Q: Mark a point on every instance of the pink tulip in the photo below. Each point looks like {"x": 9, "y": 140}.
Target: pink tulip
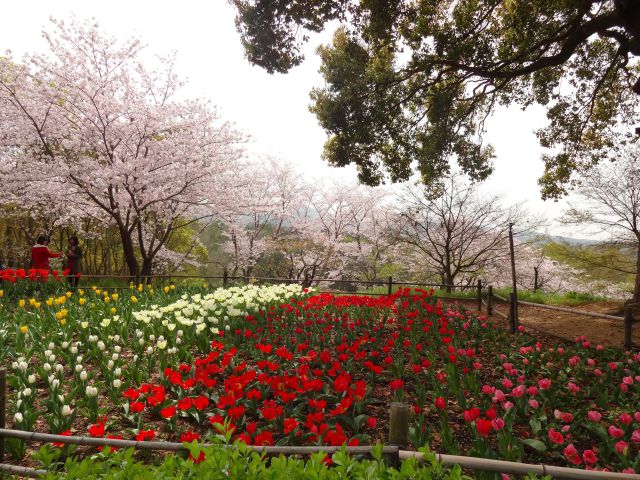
{"x": 622, "y": 447}
{"x": 573, "y": 388}
{"x": 628, "y": 380}
{"x": 624, "y": 387}
{"x": 507, "y": 405}
{"x": 573, "y": 361}
{"x": 556, "y": 437}
{"x": 637, "y": 416}
{"x": 572, "y": 454}
{"x": 599, "y": 348}
{"x": 544, "y": 384}
{"x": 506, "y": 383}
{"x": 594, "y": 416}
{"x": 497, "y": 424}
{"x": 591, "y": 362}
{"x": 488, "y": 390}
{"x": 499, "y": 396}
{"x": 625, "y": 418}
{"x": 589, "y": 457}
{"x": 518, "y": 392}
{"x": 629, "y": 470}
{"x": 597, "y": 372}
{"x": 533, "y": 403}
{"x": 532, "y": 391}
{"x": 615, "y": 432}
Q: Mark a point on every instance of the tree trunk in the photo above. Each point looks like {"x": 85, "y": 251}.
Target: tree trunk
{"x": 147, "y": 269}
{"x": 129, "y": 252}
{"x": 535, "y": 279}
{"x": 636, "y": 288}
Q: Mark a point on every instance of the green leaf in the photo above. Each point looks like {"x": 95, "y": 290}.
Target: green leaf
{"x": 535, "y": 444}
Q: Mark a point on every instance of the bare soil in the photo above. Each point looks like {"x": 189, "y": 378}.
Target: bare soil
{"x": 571, "y": 325}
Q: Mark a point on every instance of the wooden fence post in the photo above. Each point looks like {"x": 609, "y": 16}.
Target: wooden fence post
{"x": 628, "y": 325}
{"x": 479, "y": 295}
{"x": 225, "y": 277}
{"x": 512, "y": 313}
{"x": 398, "y": 429}
{"x": 490, "y": 300}
{"x": 390, "y": 285}
{"x": 3, "y": 408}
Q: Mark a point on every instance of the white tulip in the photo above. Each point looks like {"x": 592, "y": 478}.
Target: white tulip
{"x": 79, "y": 368}
{"x": 117, "y": 372}
{"x": 149, "y": 350}
{"x": 18, "y": 417}
{"x": 117, "y": 383}
{"x": 59, "y": 368}
{"x": 115, "y": 357}
{"x": 55, "y": 383}
{"x": 14, "y": 365}
{"x": 26, "y": 392}
{"x": 101, "y": 346}
{"x": 116, "y": 338}
{"x": 110, "y": 364}
{"x": 84, "y": 324}
{"x": 91, "y": 391}
{"x": 79, "y": 359}
{"x": 74, "y": 350}
{"x": 66, "y": 410}
{"x": 65, "y": 345}
{"x": 141, "y": 342}
{"x": 52, "y": 345}
{"x": 46, "y": 367}
{"x": 31, "y": 379}
{"x": 52, "y": 358}
{"x": 117, "y": 349}
{"x": 19, "y": 403}
{"x": 83, "y": 375}
{"x": 47, "y": 353}
{"x": 22, "y": 366}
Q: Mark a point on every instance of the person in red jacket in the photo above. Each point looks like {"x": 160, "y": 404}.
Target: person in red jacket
{"x": 40, "y": 254}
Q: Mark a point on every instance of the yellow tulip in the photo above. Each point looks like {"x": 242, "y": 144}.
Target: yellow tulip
{"x": 81, "y": 292}
{"x": 49, "y": 302}
{"x": 21, "y": 303}
{"x": 106, "y": 299}
{"x": 1, "y": 293}
{"x": 98, "y": 291}
{"x": 32, "y": 301}
{"x": 113, "y": 310}
{"x": 173, "y": 287}
{"x": 24, "y": 329}
{"x": 69, "y": 294}
{"x": 140, "y": 288}
{"x": 134, "y": 299}
{"x": 37, "y": 304}
{"x": 166, "y": 289}
{"x": 82, "y": 301}
{"x": 114, "y": 296}
{"x": 63, "y": 321}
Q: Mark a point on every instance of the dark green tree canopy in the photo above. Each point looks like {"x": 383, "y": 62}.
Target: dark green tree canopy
{"x": 410, "y": 83}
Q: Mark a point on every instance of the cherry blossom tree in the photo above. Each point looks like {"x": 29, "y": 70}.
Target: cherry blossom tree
{"x": 89, "y": 129}
{"x": 455, "y": 233}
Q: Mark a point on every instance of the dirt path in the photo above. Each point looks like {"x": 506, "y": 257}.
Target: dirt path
{"x": 571, "y": 325}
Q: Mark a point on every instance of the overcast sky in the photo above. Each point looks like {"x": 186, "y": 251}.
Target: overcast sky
{"x": 272, "y": 109}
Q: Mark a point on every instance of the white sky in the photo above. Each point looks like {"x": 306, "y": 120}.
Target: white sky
{"x": 272, "y": 109}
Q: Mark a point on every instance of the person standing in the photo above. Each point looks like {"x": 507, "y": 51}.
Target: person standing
{"x": 40, "y": 254}
{"x": 74, "y": 254}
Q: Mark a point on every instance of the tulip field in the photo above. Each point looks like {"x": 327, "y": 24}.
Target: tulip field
{"x": 278, "y": 365}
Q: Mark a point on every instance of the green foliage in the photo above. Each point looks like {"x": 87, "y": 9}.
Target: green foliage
{"x": 240, "y": 461}
{"x": 414, "y": 81}
{"x": 600, "y": 262}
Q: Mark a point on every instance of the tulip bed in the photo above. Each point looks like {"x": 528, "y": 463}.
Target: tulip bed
{"x": 279, "y": 366}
